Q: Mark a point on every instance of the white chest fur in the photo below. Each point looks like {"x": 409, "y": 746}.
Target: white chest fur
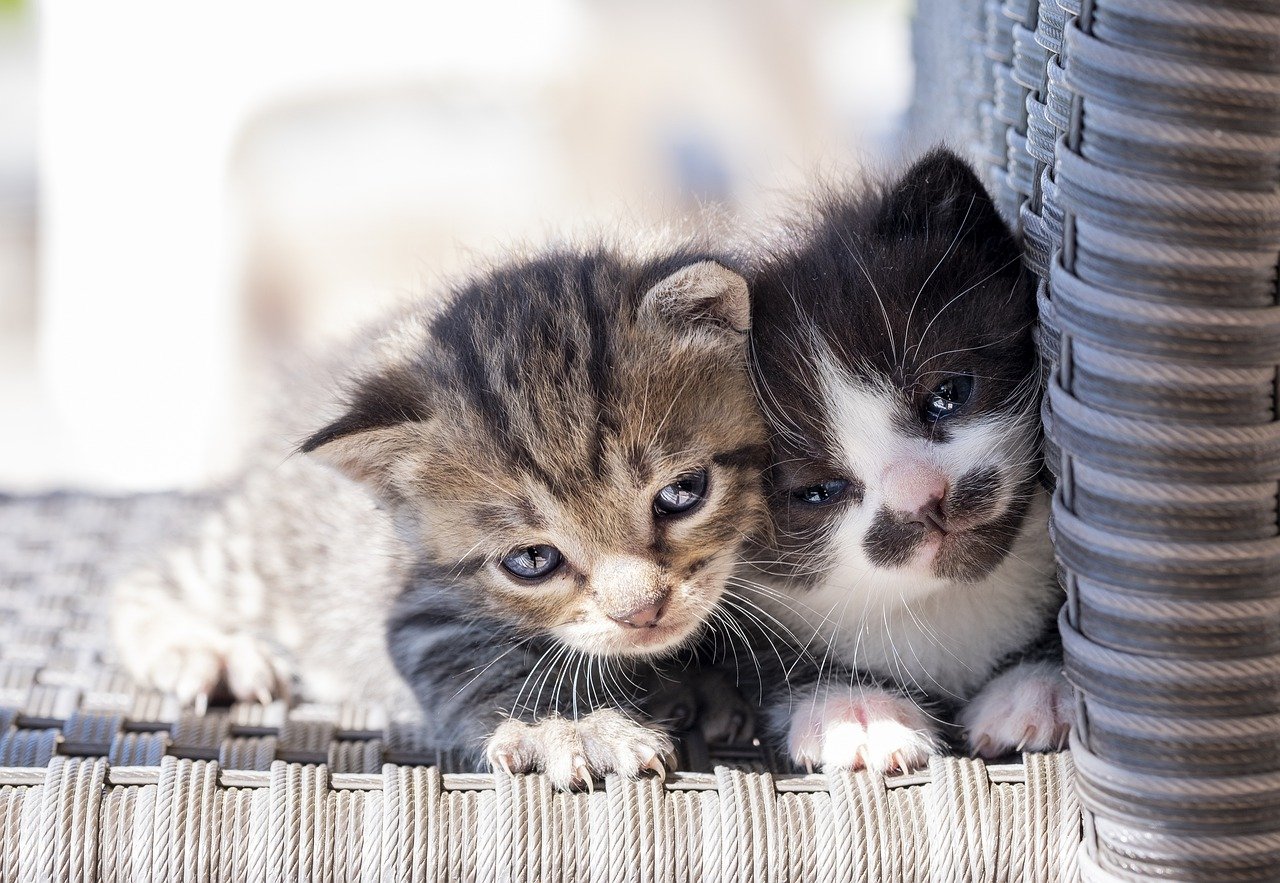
{"x": 944, "y": 641}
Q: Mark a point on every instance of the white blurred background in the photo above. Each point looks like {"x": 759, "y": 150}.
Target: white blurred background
{"x": 188, "y": 189}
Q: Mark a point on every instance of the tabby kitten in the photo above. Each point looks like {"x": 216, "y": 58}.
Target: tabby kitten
{"x": 895, "y": 359}
{"x": 527, "y": 495}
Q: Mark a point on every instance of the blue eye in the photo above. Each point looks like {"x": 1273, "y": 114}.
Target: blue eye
{"x": 682, "y": 495}
{"x": 946, "y": 398}
{"x": 532, "y": 562}
{"x": 822, "y": 493}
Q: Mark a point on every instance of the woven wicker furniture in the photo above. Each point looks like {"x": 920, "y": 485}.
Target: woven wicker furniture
{"x": 1137, "y": 145}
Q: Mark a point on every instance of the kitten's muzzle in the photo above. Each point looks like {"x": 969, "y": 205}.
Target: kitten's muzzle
{"x": 645, "y": 617}
{"x": 917, "y": 492}
{"x": 932, "y": 516}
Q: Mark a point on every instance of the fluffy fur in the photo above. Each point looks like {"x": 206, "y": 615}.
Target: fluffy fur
{"x": 547, "y": 403}
{"x": 912, "y": 549}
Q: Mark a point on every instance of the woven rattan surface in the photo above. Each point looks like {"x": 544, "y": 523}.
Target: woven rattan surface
{"x": 102, "y": 780}
{"x": 1137, "y": 145}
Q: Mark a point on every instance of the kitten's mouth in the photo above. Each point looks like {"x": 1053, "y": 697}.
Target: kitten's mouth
{"x": 655, "y": 639}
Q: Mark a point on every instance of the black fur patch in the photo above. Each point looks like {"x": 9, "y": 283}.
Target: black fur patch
{"x": 891, "y": 541}
{"x": 972, "y": 497}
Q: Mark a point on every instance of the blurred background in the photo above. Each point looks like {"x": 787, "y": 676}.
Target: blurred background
{"x": 187, "y": 190}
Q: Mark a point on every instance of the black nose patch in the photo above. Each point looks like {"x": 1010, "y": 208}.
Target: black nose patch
{"x": 975, "y": 497}
{"x": 892, "y": 539}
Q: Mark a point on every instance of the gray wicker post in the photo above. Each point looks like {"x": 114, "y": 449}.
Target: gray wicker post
{"x": 1152, "y": 130}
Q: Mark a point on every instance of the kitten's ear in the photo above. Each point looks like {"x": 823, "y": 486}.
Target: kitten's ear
{"x": 941, "y": 195}
{"x": 705, "y": 299}
{"x": 375, "y": 431}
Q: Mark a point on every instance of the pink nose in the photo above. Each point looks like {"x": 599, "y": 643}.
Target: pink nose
{"x": 645, "y": 617}
{"x": 916, "y": 488}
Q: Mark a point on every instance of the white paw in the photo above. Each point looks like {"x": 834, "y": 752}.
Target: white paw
{"x": 195, "y": 664}
{"x": 862, "y": 728}
{"x": 1027, "y": 708}
{"x": 575, "y": 753}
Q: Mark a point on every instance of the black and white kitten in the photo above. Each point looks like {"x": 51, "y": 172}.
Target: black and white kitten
{"x": 894, "y": 356}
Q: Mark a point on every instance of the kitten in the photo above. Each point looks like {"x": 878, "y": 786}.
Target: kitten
{"x": 522, "y": 497}
{"x": 894, "y": 357}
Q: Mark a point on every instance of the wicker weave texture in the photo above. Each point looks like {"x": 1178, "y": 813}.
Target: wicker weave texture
{"x": 1136, "y": 143}
{"x": 1155, "y": 218}
{"x": 82, "y": 819}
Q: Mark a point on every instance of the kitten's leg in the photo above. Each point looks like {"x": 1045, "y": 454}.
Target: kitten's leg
{"x": 862, "y": 726}
{"x": 575, "y": 752}
{"x": 167, "y": 641}
{"x": 725, "y": 715}
{"x": 1028, "y": 707}
{"x": 480, "y": 686}
{"x": 704, "y": 698}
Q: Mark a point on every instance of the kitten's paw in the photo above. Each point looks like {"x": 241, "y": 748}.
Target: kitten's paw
{"x": 575, "y": 753}
{"x": 862, "y": 728}
{"x": 724, "y": 716}
{"x": 1027, "y": 708}
{"x": 199, "y": 664}
{"x": 708, "y": 702}
{"x": 674, "y": 705}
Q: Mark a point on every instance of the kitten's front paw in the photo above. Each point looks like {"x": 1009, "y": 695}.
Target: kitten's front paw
{"x": 575, "y": 753}
{"x": 195, "y": 666}
{"x": 862, "y": 728}
{"x": 709, "y": 702}
{"x": 725, "y": 717}
{"x": 1027, "y": 708}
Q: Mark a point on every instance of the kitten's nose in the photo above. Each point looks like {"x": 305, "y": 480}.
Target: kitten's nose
{"x": 918, "y": 490}
{"x": 931, "y": 515}
{"x": 645, "y": 617}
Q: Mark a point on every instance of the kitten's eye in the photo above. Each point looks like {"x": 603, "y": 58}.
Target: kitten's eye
{"x": 822, "y": 493}
{"x": 947, "y": 397}
{"x": 532, "y": 562}
{"x": 682, "y": 495}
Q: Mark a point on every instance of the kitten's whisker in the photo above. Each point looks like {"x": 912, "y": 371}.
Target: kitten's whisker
{"x": 996, "y": 271}
{"x": 906, "y": 328}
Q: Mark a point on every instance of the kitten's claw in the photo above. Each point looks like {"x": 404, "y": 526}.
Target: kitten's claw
{"x": 574, "y": 753}
{"x": 862, "y": 728}
{"x": 1027, "y": 708}
{"x": 657, "y": 767}
{"x": 584, "y": 776}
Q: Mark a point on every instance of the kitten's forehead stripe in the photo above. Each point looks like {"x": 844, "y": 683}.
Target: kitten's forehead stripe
{"x": 745, "y": 457}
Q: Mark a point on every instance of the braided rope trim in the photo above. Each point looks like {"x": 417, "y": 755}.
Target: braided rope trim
{"x": 83, "y": 819}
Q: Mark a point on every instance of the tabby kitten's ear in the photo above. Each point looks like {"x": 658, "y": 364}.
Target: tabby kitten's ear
{"x": 375, "y": 432}
{"x": 705, "y": 300}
